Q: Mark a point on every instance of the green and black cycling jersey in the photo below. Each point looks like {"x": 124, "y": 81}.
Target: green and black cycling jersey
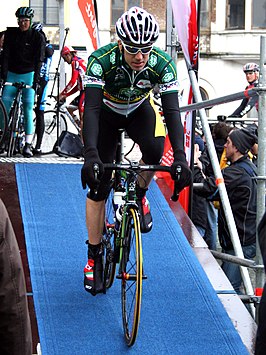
{"x": 125, "y": 89}
{"x": 112, "y": 86}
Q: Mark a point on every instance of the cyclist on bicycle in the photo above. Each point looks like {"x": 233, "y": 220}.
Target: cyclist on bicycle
{"x": 42, "y": 91}
{"x": 23, "y": 54}
{"x": 76, "y": 82}
{"x": 119, "y": 79}
{"x": 252, "y": 74}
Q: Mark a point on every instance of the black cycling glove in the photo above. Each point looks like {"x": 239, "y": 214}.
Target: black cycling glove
{"x": 180, "y": 170}
{"x": 92, "y": 169}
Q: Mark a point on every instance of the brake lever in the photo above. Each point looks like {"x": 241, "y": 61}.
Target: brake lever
{"x": 96, "y": 171}
{"x": 176, "y": 191}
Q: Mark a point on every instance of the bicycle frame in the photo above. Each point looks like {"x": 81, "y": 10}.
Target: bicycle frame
{"x": 14, "y": 129}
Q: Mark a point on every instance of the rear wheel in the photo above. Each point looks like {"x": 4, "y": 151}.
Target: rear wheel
{"x": 3, "y": 125}
{"x": 50, "y": 131}
{"x": 130, "y": 274}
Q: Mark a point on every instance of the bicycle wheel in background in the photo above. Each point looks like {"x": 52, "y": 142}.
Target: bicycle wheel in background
{"x": 109, "y": 239}
{"x": 131, "y": 276}
{"x": 3, "y": 124}
{"x": 12, "y": 131}
{"x": 50, "y": 130}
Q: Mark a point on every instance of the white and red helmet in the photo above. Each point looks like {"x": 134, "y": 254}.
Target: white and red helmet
{"x": 251, "y": 67}
{"x": 67, "y": 49}
{"x": 138, "y": 27}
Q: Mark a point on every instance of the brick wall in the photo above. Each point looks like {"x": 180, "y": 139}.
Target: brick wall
{"x": 158, "y": 9}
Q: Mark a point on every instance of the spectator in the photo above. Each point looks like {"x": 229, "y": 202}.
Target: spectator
{"x": 75, "y": 84}
{"x": 23, "y": 54}
{"x": 199, "y": 203}
{"x": 15, "y": 328}
{"x": 252, "y": 74}
{"x": 42, "y": 90}
{"x": 219, "y": 134}
{"x": 242, "y": 191}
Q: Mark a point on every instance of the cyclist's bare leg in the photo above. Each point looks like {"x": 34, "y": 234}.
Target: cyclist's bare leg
{"x": 95, "y": 212}
{"x": 145, "y": 178}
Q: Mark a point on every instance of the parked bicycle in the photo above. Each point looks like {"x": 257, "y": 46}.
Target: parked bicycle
{"x": 57, "y": 120}
{"x": 13, "y": 136}
{"x": 122, "y": 241}
{"x": 3, "y": 121}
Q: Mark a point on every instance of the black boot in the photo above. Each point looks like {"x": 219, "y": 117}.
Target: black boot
{"x": 93, "y": 271}
{"x": 26, "y": 152}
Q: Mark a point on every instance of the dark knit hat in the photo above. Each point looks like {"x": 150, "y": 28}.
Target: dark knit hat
{"x": 243, "y": 139}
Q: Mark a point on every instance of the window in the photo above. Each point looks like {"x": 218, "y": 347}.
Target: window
{"x": 204, "y": 14}
{"x": 46, "y": 11}
{"x": 259, "y": 14}
{"x": 235, "y": 14}
{"x": 120, "y": 6}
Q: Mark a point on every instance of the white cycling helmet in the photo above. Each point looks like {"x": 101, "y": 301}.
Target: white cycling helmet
{"x": 251, "y": 67}
{"x": 136, "y": 26}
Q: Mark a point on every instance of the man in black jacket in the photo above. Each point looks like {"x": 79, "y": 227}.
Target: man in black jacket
{"x": 23, "y": 54}
{"x": 242, "y": 192}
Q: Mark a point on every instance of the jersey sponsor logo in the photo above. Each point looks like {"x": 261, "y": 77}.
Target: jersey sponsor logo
{"x": 96, "y": 69}
{"x": 112, "y": 58}
{"x": 120, "y": 74}
{"x": 144, "y": 84}
{"x": 169, "y": 86}
{"x": 88, "y": 80}
{"x": 152, "y": 60}
{"x": 167, "y": 77}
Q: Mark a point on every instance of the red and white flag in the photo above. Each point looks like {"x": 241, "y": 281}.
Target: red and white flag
{"x": 87, "y": 9}
{"x": 186, "y": 22}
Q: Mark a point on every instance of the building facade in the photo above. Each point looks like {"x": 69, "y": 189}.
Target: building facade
{"x": 230, "y": 32}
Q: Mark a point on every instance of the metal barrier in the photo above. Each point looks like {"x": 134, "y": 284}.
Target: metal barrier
{"x": 200, "y": 105}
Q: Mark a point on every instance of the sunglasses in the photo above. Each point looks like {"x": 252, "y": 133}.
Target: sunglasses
{"x": 135, "y": 50}
{"x": 21, "y": 20}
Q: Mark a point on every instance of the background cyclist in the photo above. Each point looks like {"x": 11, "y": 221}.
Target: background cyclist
{"x": 42, "y": 90}
{"x": 75, "y": 84}
{"x": 119, "y": 79}
{"x": 23, "y": 54}
{"x": 252, "y": 74}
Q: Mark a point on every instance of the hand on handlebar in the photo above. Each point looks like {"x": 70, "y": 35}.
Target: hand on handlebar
{"x": 180, "y": 171}
{"x": 92, "y": 170}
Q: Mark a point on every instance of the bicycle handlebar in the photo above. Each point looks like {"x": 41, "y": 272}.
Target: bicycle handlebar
{"x": 19, "y": 85}
{"x": 135, "y": 166}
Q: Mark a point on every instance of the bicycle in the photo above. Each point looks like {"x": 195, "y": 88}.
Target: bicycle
{"x": 122, "y": 241}
{"x": 55, "y": 125}
{"x": 3, "y": 121}
{"x": 13, "y": 137}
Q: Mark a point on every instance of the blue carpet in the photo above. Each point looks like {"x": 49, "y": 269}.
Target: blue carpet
{"x": 181, "y": 313}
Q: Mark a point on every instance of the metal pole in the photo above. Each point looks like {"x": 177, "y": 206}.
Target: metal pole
{"x": 169, "y": 26}
{"x": 221, "y": 100}
{"x": 260, "y": 276}
{"x": 61, "y": 41}
{"x": 221, "y": 186}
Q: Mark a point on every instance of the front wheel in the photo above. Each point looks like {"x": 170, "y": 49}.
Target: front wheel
{"x": 109, "y": 241}
{"x": 130, "y": 274}
{"x": 12, "y": 131}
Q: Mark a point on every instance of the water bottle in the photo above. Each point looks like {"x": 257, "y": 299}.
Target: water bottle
{"x": 118, "y": 205}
